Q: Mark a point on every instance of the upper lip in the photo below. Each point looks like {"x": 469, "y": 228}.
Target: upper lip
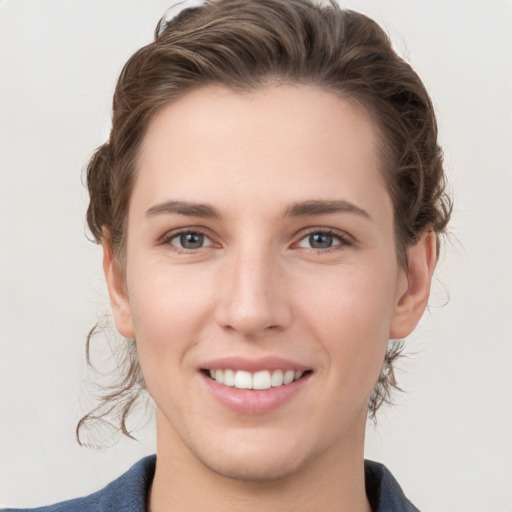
{"x": 253, "y": 365}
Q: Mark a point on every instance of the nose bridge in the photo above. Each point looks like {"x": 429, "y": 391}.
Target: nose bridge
{"x": 253, "y": 301}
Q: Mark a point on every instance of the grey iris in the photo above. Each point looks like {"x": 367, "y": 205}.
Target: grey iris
{"x": 320, "y": 241}
{"x": 191, "y": 240}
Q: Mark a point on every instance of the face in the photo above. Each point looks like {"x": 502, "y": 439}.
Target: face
{"x": 261, "y": 280}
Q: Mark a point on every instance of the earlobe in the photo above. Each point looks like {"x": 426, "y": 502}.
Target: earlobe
{"x": 117, "y": 290}
{"x": 411, "y": 304}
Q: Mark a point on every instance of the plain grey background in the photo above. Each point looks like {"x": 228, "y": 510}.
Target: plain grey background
{"x": 449, "y": 438}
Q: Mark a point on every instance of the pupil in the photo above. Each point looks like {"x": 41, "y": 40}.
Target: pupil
{"x": 191, "y": 240}
{"x": 320, "y": 241}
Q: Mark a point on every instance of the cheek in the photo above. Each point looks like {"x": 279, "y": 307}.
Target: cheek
{"x": 350, "y": 316}
{"x": 357, "y": 299}
{"x": 169, "y": 308}
{"x": 161, "y": 295}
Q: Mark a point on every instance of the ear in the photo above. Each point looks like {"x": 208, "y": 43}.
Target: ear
{"x": 117, "y": 290}
{"x": 422, "y": 258}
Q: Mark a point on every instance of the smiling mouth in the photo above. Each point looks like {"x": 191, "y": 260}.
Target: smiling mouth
{"x": 264, "y": 379}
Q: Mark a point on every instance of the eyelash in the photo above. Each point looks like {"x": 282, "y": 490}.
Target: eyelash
{"x": 168, "y": 238}
{"x": 344, "y": 240}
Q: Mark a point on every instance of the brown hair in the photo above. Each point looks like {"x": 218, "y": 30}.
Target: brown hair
{"x": 243, "y": 45}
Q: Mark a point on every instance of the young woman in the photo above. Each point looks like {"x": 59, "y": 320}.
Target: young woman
{"x": 269, "y": 205}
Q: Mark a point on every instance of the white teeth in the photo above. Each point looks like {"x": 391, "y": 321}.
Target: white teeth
{"x": 277, "y": 378}
{"x": 243, "y": 380}
{"x": 259, "y": 380}
{"x": 288, "y": 376}
{"x": 229, "y": 378}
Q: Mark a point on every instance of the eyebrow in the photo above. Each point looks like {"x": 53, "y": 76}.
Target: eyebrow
{"x": 302, "y": 209}
{"x": 184, "y": 208}
{"x": 321, "y": 207}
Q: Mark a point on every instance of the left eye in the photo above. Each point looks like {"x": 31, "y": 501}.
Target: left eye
{"x": 190, "y": 240}
{"x": 320, "y": 240}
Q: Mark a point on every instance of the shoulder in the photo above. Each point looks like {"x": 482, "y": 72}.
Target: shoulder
{"x": 383, "y": 491}
{"x": 127, "y": 493}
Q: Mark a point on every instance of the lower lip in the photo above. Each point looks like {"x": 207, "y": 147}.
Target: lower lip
{"x": 254, "y": 401}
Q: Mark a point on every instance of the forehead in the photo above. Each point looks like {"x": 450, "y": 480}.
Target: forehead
{"x": 297, "y": 139}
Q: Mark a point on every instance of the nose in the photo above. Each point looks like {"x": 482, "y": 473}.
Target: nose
{"x": 254, "y": 295}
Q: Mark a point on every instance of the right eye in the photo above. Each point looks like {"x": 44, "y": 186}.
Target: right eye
{"x": 189, "y": 240}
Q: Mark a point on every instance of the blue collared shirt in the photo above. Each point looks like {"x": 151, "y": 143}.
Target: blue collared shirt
{"x": 129, "y": 492}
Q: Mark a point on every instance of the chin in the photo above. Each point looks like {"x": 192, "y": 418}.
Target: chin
{"x": 259, "y": 460}
{"x": 266, "y": 469}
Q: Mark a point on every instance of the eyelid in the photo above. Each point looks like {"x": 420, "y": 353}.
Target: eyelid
{"x": 346, "y": 240}
{"x": 174, "y": 233}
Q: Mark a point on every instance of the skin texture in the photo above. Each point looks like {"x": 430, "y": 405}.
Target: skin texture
{"x": 257, "y": 288}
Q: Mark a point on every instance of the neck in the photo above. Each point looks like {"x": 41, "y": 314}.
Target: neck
{"x": 332, "y": 481}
